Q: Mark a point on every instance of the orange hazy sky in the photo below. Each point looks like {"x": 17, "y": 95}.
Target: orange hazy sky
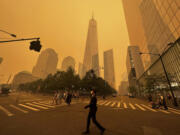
{"x": 61, "y": 25}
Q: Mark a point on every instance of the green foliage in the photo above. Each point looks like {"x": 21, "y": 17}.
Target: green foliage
{"x": 69, "y": 81}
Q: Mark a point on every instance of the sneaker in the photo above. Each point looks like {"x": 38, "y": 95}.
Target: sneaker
{"x": 85, "y": 133}
{"x": 102, "y": 131}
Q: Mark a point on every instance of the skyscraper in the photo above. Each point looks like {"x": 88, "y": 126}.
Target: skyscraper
{"x": 134, "y": 64}
{"x": 67, "y": 63}
{"x": 109, "y": 74}
{"x": 46, "y": 63}
{"x": 80, "y": 70}
{"x": 134, "y": 23}
{"x": 156, "y": 29}
{"x": 91, "y": 58}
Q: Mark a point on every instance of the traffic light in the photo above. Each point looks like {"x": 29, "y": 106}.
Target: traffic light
{"x": 35, "y": 45}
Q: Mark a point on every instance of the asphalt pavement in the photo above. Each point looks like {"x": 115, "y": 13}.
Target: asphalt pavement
{"x": 119, "y": 115}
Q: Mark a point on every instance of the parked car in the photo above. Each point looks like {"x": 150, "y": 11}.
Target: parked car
{"x": 4, "y": 89}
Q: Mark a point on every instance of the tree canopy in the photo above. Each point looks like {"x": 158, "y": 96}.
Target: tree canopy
{"x": 69, "y": 81}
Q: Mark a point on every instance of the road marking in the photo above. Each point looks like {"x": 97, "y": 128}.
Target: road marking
{"x": 119, "y": 105}
{"x": 164, "y": 111}
{"x": 31, "y": 108}
{"x": 6, "y": 111}
{"x": 125, "y": 106}
{"x": 147, "y": 107}
{"x": 132, "y": 106}
{"x": 50, "y": 106}
{"x": 103, "y": 103}
{"x": 19, "y": 109}
{"x": 38, "y": 106}
{"x": 140, "y": 107}
{"x": 174, "y": 109}
{"x": 174, "y": 112}
{"x": 107, "y": 103}
{"x": 113, "y": 104}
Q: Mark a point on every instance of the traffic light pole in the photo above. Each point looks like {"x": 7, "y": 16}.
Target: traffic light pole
{"x": 23, "y": 39}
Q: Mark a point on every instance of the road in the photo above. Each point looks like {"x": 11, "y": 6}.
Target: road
{"x": 119, "y": 115}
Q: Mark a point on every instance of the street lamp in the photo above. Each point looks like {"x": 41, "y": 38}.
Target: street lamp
{"x": 12, "y": 35}
{"x": 167, "y": 78}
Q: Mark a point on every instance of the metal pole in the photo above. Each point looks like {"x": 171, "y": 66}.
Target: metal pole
{"x": 175, "y": 102}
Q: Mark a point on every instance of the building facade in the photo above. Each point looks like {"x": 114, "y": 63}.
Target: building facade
{"x": 46, "y": 64}
{"x": 134, "y": 64}
{"x": 67, "y": 63}
{"x": 91, "y": 57}
{"x": 157, "y": 30}
{"x": 80, "y": 70}
{"x": 123, "y": 88}
{"x": 109, "y": 73}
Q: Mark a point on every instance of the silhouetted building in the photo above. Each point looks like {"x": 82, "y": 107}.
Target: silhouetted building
{"x": 123, "y": 88}
{"x": 46, "y": 64}
{"x": 67, "y": 63}
{"x": 80, "y": 70}
{"x": 109, "y": 74}
{"x": 134, "y": 64}
{"x": 91, "y": 58}
{"x": 22, "y": 77}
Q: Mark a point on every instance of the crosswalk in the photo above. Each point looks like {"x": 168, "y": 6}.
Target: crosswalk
{"x": 27, "y": 107}
{"x": 135, "y": 106}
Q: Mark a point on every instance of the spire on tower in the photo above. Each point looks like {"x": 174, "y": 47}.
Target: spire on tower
{"x": 92, "y": 15}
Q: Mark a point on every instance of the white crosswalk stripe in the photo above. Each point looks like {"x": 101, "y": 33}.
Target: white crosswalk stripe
{"x": 175, "y": 112}
{"x": 132, "y": 106}
{"x": 108, "y": 103}
{"x": 19, "y": 109}
{"x": 50, "y": 106}
{"x": 38, "y": 106}
{"x": 140, "y": 107}
{"x": 103, "y": 103}
{"x": 174, "y": 109}
{"x": 125, "y": 106}
{"x": 119, "y": 104}
{"x": 147, "y": 107}
{"x": 29, "y": 107}
{"x": 164, "y": 111}
{"x": 6, "y": 111}
{"x": 113, "y": 104}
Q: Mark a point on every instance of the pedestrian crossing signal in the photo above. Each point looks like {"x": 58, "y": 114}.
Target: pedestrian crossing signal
{"x": 35, "y": 45}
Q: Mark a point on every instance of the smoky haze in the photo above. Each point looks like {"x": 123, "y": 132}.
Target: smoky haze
{"x": 61, "y": 25}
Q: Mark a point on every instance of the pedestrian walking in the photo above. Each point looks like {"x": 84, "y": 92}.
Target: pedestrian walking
{"x": 92, "y": 113}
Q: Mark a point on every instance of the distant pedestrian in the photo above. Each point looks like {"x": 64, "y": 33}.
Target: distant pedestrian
{"x": 92, "y": 113}
{"x": 150, "y": 98}
{"x": 55, "y": 98}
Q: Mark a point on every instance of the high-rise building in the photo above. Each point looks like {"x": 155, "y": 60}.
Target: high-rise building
{"x": 123, "y": 88}
{"x": 157, "y": 30}
{"x": 134, "y": 64}
{"x": 46, "y": 64}
{"x": 80, "y": 70}
{"x": 153, "y": 49}
{"x": 134, "y": 23}
{"x": 67, "y": 63}
{"x": 91, "y": 58}
{"x": 109, "y": 74}
{"x": 170, "y": 13}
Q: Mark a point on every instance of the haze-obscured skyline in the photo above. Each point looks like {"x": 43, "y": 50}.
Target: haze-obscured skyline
{"x": 61, "y": 25}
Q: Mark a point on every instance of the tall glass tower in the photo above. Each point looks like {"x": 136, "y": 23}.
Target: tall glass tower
{"x": 91, "y": 58}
